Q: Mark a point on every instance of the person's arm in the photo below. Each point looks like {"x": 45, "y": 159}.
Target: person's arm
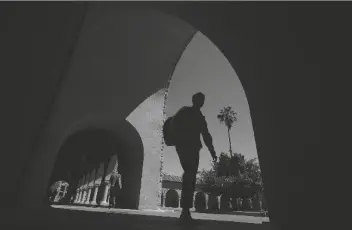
{"x": 208, "y": 140}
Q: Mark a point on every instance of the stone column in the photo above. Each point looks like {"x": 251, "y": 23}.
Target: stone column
{"x": 206, "y": 201}
{"x": 179, "y": 198}
{"x": 103, "y": 201}
{"x": 194, "y": 200}
{"x": 88, "y": 196}
{"x": 218, "y": 199}
{"x": 85, "y": 196}
{"x": 82, "y": 197}
{"x": 164, "y": 197}
{"x": 79, "y": 196}
{"x": 94, "y": 199}
{"x": 261, "y": 205}
{"x": 76, "y": 197}
{"x": 84, "y": 193}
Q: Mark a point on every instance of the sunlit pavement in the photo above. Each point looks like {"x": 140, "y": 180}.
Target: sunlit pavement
{"x": 171, "y": 213}
{"x": 88, "y": 218}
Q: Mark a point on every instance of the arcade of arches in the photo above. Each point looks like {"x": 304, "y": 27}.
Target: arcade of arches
{"x": 87, "y": 160}
{"x": 203, "y": 201}
{"x": 96, "y": 149}
{"x": 90, "y": 185}
{"x": 94, "y": 183}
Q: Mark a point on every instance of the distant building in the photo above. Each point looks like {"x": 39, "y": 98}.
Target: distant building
{"x": 171, "y": 194}
{"x": 171, "y": 191}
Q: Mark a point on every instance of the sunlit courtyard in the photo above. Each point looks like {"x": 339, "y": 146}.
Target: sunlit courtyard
{"x": 174, "y": 213}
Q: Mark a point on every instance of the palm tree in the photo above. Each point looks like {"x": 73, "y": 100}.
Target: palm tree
{"x": 228, "y": 117}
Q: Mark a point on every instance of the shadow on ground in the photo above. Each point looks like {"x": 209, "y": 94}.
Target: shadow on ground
{"x": 51, "y": 218}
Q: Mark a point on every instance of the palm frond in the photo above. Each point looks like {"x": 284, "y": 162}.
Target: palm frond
{"x": 227, "y": 116}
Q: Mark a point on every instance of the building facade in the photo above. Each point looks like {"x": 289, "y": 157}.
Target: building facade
{"x": 170, "y": 196}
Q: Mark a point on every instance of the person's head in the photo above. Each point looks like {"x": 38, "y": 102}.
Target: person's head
{"x": 198, "y": 100}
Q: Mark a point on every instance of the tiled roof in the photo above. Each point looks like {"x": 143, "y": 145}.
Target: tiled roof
{"x": 173, "y": 178}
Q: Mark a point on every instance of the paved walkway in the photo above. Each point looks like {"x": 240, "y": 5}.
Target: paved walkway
{"x": 72, "y": 217}
{"x": 171, "y": 213}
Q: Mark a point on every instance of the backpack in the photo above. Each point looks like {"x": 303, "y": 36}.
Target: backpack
{"x": 174, "y": 126}
{"x": 167, "y": 132}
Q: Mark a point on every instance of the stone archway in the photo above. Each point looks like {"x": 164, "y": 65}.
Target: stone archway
{"x": 225, "y": 202}
{"x": 79, "y": 152}
{"x": 172, "y": 198}
{"x": 261, "y": 47}
{"x": 213, "y": 202}
{"x": 200, "y": 202}
{"x": 113, "y": 89}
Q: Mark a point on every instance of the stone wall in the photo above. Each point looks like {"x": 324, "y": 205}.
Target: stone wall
{"x": 148, "y": 119}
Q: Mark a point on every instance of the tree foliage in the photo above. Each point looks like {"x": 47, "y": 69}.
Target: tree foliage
{"x": 228, "y": 117}
{"x": 235, "y": 174}
{"x": 230, "y": 166}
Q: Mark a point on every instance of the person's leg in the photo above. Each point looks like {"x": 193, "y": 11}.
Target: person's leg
{"x": 188, "y": 186}
{"x": 189, "y": 161}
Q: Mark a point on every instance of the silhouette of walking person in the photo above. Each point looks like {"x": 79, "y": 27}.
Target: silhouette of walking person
{"x": 183, "y": 131}
{"x": 115, "y": 189}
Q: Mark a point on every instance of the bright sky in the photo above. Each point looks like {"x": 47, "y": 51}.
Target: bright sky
{"x": 203, "y": 68}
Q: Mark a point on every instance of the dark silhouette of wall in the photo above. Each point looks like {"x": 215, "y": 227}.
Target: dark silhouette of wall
{"x": 34, "y": 65}
{"x": 272, "y": 47}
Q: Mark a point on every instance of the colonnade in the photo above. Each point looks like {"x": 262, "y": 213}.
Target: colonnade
{"x": 203, "y": 201}
{"x": 92, "y": 184}
{"x": 165, "y": 197}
